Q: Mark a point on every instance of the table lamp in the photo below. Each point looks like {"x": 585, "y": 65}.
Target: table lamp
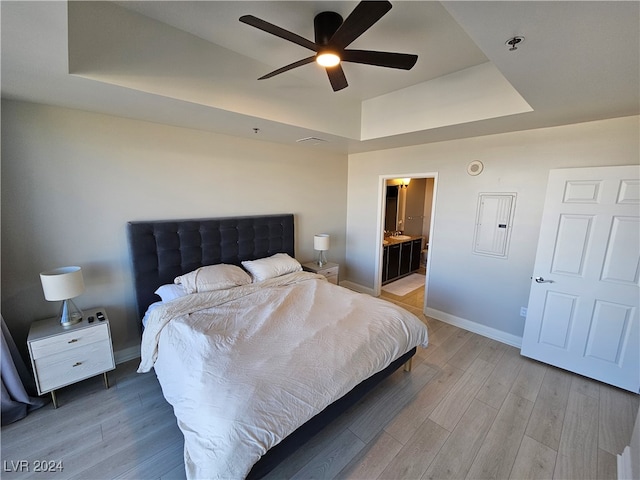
{"x": 321, "y": 243}
{"x": 64, "y": 284}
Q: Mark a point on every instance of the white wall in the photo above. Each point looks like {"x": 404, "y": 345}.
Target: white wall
{"x": 462, "y": 286}
{"x": 71, "y": 180}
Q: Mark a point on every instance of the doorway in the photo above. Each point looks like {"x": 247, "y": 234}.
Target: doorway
{"x": 407, "y": 206}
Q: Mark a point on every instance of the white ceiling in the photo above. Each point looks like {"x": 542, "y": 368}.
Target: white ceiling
{"x": 426, "y": 26}
{"x": 193, "y": 64}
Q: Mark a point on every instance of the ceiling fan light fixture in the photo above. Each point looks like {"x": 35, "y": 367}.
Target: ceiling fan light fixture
{"x": 327, "y": 59}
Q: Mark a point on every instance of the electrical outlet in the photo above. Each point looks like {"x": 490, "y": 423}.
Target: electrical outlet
{"x": 523, "y": 311}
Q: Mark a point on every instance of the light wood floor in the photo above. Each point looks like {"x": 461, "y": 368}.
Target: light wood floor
{"x": 470, "y": 408}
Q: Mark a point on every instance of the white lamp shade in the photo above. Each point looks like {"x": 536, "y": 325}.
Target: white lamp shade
{"x": 62, "y": 283}
{"x": 321, "y": 242}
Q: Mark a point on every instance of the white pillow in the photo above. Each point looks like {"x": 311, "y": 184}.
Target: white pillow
{"x": 213, "y": 277}
{"x": 170, "y": 292}
{"x": 151, "y": 308}
{"x": 270, "y": 267}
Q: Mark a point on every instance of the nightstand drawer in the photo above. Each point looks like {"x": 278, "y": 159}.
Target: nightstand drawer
{"x": 330, "y": 272}
{"x": 69, "y": 341}
{"x": 64, "y": 368}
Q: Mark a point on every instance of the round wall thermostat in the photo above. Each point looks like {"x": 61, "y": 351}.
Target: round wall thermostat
{"x": 475, "y": 168}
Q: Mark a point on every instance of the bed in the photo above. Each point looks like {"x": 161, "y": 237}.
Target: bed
{"x": 241, "y": 365}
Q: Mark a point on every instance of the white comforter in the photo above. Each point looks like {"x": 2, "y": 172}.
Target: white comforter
{"x": 245, "y": 367}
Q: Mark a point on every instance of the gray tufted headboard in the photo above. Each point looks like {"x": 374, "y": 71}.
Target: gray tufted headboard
{"x": 162, "y": 250}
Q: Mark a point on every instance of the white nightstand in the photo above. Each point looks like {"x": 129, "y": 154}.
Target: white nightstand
{"x": 329, "y": 270}
{"x": 61, "y": 355}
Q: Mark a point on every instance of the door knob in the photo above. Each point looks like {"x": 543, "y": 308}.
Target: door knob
{"x": 542, "y": 280}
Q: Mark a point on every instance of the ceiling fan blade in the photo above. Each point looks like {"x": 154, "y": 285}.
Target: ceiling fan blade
{"x": 337, "y": 78}
{"x": 404, "y": 61}
{"x": 291, "y": 66}
{"x": 278, "y": 32}
{"x": 359, "y": 21}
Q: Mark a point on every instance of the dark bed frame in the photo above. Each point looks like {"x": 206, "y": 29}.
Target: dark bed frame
{"x": 164, "y": 249}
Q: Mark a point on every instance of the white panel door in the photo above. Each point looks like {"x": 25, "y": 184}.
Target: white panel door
{"x": 585, "y": 291}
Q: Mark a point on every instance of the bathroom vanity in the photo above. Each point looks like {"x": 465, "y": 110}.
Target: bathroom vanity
{"x": 400, "y": 256}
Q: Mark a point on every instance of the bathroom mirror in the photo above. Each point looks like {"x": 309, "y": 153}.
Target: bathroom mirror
{"x": 391, "y": 209}
{"x": 396, "y": 199}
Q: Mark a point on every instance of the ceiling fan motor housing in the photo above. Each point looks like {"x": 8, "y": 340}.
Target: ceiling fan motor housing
{"x": 325, "y": 24}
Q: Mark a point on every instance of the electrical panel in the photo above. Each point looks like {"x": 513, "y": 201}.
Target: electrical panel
{"x": 493, "y": 224}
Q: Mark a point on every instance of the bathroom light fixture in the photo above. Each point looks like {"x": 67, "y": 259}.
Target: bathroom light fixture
{"x": 321, "y": 244}
{"x": 404, "y": 183}
{"x": 64, "y": 284}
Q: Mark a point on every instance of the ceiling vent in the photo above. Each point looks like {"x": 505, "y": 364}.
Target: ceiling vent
{"x": 311, "y": 141}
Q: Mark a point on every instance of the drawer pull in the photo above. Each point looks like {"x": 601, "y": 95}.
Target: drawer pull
{"x": 77, "y": 364}
{"x": 73, "y": 340}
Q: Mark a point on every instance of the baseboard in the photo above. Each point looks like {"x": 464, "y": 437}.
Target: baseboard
{"x": 126, "y": 354}
{"x": 356, "y": 287}
{"x": 465, "y": 324}
{"x": 474, "y": 327}
{"x": 624, "y": 464}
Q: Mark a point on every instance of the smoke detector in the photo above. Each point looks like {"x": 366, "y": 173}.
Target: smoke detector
{"x": 475, "y": 168}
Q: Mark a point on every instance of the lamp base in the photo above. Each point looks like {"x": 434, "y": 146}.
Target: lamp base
{"x": 69, "y": 313}
{"x": 322, "y": 260}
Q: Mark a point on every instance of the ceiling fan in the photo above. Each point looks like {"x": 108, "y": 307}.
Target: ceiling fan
{"x": 332, "y": 37}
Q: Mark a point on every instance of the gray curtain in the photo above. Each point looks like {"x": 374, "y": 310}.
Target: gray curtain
{"x": 18, "y": 389}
